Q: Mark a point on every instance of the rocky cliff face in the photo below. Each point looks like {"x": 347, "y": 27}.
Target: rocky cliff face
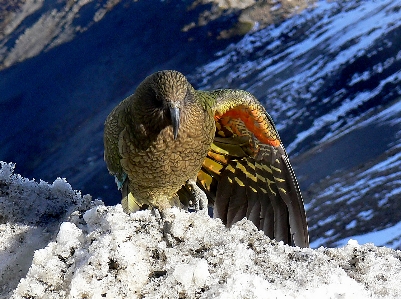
{"x": 30, "y": 28}
{"x": 329, "y": 75}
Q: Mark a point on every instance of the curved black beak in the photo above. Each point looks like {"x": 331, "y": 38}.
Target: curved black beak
{"x": 175, "y": 120}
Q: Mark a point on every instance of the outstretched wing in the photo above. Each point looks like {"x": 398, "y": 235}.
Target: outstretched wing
{"x": 247, "y": 172}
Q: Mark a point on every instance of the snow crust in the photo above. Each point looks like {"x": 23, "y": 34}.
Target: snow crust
{"x": 30, "y": 214}
{"x": 101, "y": 252}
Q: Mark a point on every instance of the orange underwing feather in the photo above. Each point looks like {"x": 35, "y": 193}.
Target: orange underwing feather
{"x": 253, "y": 120}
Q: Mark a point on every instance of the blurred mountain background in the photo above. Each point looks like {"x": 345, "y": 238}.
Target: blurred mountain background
{"x": 328, "y": 72}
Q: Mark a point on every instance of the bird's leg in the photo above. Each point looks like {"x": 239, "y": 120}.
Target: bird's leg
{"x": 157, "y": 213}
{"x": 160, "y": 217}
{"x": 200, "y": 198}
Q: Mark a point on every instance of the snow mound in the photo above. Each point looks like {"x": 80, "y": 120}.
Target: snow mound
{"x": 101, "y": 252}
{"x": 105, "y": 253}
{"x": 30, "y": 214}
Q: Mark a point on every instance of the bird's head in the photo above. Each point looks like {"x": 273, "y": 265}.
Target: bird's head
{"x": 171, "y": 90}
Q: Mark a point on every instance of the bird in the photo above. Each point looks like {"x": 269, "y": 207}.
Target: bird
{"x": 171, "y": 145}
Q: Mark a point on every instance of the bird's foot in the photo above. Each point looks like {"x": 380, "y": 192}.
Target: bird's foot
{"x": 200, "y": 198}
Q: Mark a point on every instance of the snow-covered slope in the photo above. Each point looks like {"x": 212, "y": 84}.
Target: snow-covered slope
{"x": 363, "y": 202}
{"x": 101, "y": 252}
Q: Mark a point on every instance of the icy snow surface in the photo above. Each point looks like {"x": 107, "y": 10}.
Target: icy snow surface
{"x": 30, "y": 213}
{"x": 100, "y": 252}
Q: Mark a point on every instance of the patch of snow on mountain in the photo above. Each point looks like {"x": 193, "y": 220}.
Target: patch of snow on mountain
{"x": 386, "y": 237}
{"x": 28, "y": 8}
{"x": 328, "y": 119}
{"x": 379, "y": 183}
